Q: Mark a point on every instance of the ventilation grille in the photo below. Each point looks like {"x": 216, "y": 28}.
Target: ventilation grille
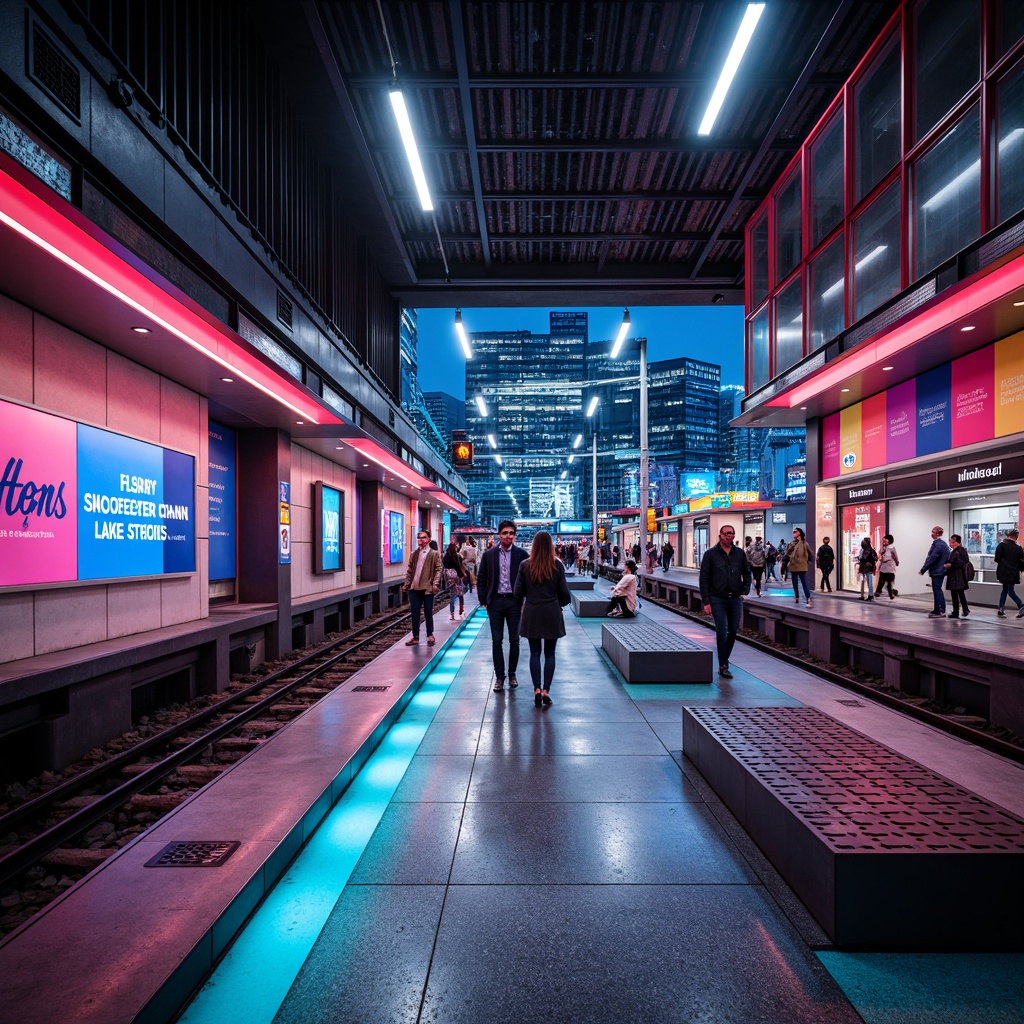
{"x": 55, "y": 73}
{"x": 370, "y": 689}
{"x": 284, "y": 310}
{"x": 193, "y": 854}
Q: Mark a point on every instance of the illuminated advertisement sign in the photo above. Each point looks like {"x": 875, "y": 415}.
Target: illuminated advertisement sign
{"x": 796, "y": 482}
{"x": 396, "y": 537}
{"x": 696, "y": 485}
{"x": 80, "y": 503}
{"x": 284, "y": 523}
{"x": 573, "y": 526}
{"x": 328, "y": 515}
{"x": 222, "y": 475}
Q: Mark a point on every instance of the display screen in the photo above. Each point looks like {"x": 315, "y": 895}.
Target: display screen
{"x": 222, "y": 477}
{"x": 328, "y": 516}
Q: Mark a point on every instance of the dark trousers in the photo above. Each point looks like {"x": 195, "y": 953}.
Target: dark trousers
{"x": 938, "y": 596}
{"x": 826, "y": 583}
{"x": 1008, "y": 591}
{"x": 420, "y": 600}
{"x": 620, "y": 602}
{"x": 757, "y": 571}
{"x": 504, "y": 610}
{"x": 885, "y": 581}
{"x": 959, "y": 598}
{"x": 726, "y": 612}
{"x": 549, "y": 663}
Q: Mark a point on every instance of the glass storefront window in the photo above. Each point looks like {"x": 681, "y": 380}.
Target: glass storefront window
{"x": 876, "y": 104}
{"x": 859, "y": 521}
{"x": 1010, "y": 151}
{"x": 1009, "y": 24}
{"x": 827, "y": 294}
{"x": 759, "y": 350}
{"x": 947, "y": 195}
{"x": 787, "y": 227}
{"x": 759, "y": 260}
{"x": 948, "y": 57}
{"x": 982, "y": 529}
{"x": 876, "y": 252}
{"x": 789, "y": 326}
{"x": 827, "y": 180}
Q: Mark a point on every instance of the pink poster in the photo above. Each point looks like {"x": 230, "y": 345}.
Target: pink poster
{"x": 901, "y": 418}
{"x": 38, "y": 513}
{"x": 830, "y": 447}
{"x": 874, "y": 432}
{"x": 972, "y": 405}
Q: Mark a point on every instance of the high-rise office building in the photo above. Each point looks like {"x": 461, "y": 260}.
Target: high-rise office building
{"x": 447, "y": 411}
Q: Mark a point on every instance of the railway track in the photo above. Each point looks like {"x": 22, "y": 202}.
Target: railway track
{"x": 49, "y": 841}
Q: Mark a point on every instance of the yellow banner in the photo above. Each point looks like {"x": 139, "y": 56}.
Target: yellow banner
{"x": 850, "y": 456}
{"x": 1009, "y": 389}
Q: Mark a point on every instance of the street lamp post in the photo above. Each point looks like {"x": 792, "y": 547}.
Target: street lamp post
{"x": 644, "y": 465}
{"x": 593, "y": 546}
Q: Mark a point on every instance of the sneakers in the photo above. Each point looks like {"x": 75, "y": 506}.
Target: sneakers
{"x": 967, "y": 612}
{"x": 723, "y": 671}
{"x": 935, "y": 615}
{"x": 1020, "y": 612}
{"x": 952, "y": 615}
{"x": 808, "y": 605}
{"x": 1001, "y": 613}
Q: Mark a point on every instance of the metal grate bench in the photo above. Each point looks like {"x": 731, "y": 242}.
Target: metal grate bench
{"x": 883, "y": 851}
{"x": 589, "y": 605}
{"x": 647, "y": 652}
{"x": 579, "y": 583}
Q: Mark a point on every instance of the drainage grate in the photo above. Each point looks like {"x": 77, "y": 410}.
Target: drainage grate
{"x": 193, "y": 855}
{"x": 851, "y": 703}
{"x": 370, "y": 689}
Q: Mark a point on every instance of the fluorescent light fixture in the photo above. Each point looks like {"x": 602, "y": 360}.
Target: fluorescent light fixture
{"x": 411, "y": 152}
{"x": 460, "y": 330}
{"x": 504, "y": 475}
{"x": 492, "y": 441}
{"x": 965, "y": 176}
{"x": 623, "y": 328}
{"x": 578, "y": 441}
{"x": 508, "y": 488}
{"x": 570, "y": 459}
{"x": 481, "y": 405}
{"x": 729, "y": 69}
{"x": 565, "y": 473}
{"x": 593, "y": 405}
{"x": 497, "y": 459}
{"x": 861, "y": 264}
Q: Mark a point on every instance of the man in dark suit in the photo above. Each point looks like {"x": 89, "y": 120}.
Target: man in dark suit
{"x": 495, "y": 584}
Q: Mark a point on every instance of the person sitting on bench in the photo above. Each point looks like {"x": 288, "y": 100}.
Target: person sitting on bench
{"x": 623, "y": 602}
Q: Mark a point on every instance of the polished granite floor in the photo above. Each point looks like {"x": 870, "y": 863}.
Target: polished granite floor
{"x": 568, "y": 864}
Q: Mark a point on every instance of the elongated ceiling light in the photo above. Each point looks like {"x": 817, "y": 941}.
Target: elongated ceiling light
{"x": 623, "y": 328}
{"x": 578, "y": 441}
{"x": 411, "y": 152}
{"x": 593, "y": 406}
{"x": 460, "y": 330}
{"x": 729, "y": 69}
{"x": 481, "y": 405}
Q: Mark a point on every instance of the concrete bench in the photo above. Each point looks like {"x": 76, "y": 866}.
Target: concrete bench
{"x": 883, "y": 851}
{"x": 589, "y": 604}
{"x": 579, "y": 583}
{"x": 647, "y": 652}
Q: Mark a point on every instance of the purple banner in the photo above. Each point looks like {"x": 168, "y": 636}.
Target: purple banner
{"x": 901, "y": 416}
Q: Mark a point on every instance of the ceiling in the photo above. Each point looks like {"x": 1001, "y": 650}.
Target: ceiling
{"x": 559, "y": 139}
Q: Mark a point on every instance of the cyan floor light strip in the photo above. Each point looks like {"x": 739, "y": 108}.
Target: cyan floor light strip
{"x": 252, "y": 980}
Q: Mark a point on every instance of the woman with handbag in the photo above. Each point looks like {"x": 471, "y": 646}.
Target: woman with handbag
{"x": 455, "y": 579}
{"x": 540, "y": 585}
{"x": 867, "y": 561}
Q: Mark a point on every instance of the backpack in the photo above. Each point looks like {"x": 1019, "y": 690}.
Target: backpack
{"x": 969, "y": 571}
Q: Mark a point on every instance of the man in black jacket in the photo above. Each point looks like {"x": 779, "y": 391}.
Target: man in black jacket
{"x": 495, "y": 584}
{"x": 724, "y": 579}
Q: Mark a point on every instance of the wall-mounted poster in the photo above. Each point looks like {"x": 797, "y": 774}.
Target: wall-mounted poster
{"x": 284, "y": 523}
{"x": 328, "y": 518}
{"x": 222, "y": 477}
{"x": 396, "y": 538}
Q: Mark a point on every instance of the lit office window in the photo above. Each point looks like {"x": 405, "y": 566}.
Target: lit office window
{"x": 1009, "y": 23}
{"x": 789, "y": 326}
{"x": 876, "y": 252}
{"x": 827, "y": 180}
{"x": 1010, "y": 151}
{"x": 759, "y": 350}
{"x": 947, "y": 195}
{"x": 827, "y": 294}
{"x": 787, "y": 227}
{"x": 948, "y": 57}
{"x": 759, "y": 259}
{"x": 876, "y": 103}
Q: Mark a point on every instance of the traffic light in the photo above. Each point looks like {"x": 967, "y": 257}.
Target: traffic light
{"x": 462, "y": 454}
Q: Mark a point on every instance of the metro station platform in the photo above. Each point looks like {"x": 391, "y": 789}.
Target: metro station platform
{"x": 513, "y": 864}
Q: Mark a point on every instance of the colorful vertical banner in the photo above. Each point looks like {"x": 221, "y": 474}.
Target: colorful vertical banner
{"x": 284, "y": 526}
{"x": 971, "y": 399}
{"x": 1009, "y": 385}
{"x": 850, "y": 440}
{"x": 222, "y": 475}
{"x": 933, "y": 419}
{"x": 874, "y": 432}
{"x": 830, "y": 459}
{"x": 901, "y": 416}
{"x": 38, "y": 497}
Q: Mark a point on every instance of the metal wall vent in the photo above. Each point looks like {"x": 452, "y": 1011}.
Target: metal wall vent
{"x": 370, "y": 689}
{"x": 194, "y": 854}
{"x": 54, "y": 72}
{"x": 284, "y": 310}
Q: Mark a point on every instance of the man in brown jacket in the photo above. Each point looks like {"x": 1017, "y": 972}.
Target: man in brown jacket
{"x": 422, "y": 581}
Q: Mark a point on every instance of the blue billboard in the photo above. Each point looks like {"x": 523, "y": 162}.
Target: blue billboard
{"x": 396, "y": 537}
{"x": 222, "y": 476}
{"x": 328, "y": 513}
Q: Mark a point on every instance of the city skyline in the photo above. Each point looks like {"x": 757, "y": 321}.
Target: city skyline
{"x": 672, "y": 332}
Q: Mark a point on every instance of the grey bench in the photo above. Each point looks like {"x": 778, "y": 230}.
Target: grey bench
{"x": 579, "y": 583}
{"x": 589, "y": 604}
{"x": 883, "y": 851}
{"x": 647, "y": 652}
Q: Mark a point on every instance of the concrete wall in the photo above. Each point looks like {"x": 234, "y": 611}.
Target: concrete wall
{"x": 58, "y": 371}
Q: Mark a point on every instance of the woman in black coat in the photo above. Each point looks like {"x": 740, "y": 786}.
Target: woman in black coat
{"x": 540, "y": 585}
{"x": 956, "y": 576}
{"x": 1009, "y": 557}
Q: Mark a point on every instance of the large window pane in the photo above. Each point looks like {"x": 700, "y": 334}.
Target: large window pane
{"x": 876, "y": 252}
{"x": 827, "y": 294}
{"x": 948, "y": 57}
{"x": 789, "y": 326}
{"x": 787, "y": 228}
{"x": 759, "y": 259}
{"x": 947, "y": 195}
{"x": 827, "y": 181}
{"x": 877, "y": 126}
{"x": 1010, "y": 23}
{"x": 1010, "y": 159}
{"x": 759, "y": 350}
